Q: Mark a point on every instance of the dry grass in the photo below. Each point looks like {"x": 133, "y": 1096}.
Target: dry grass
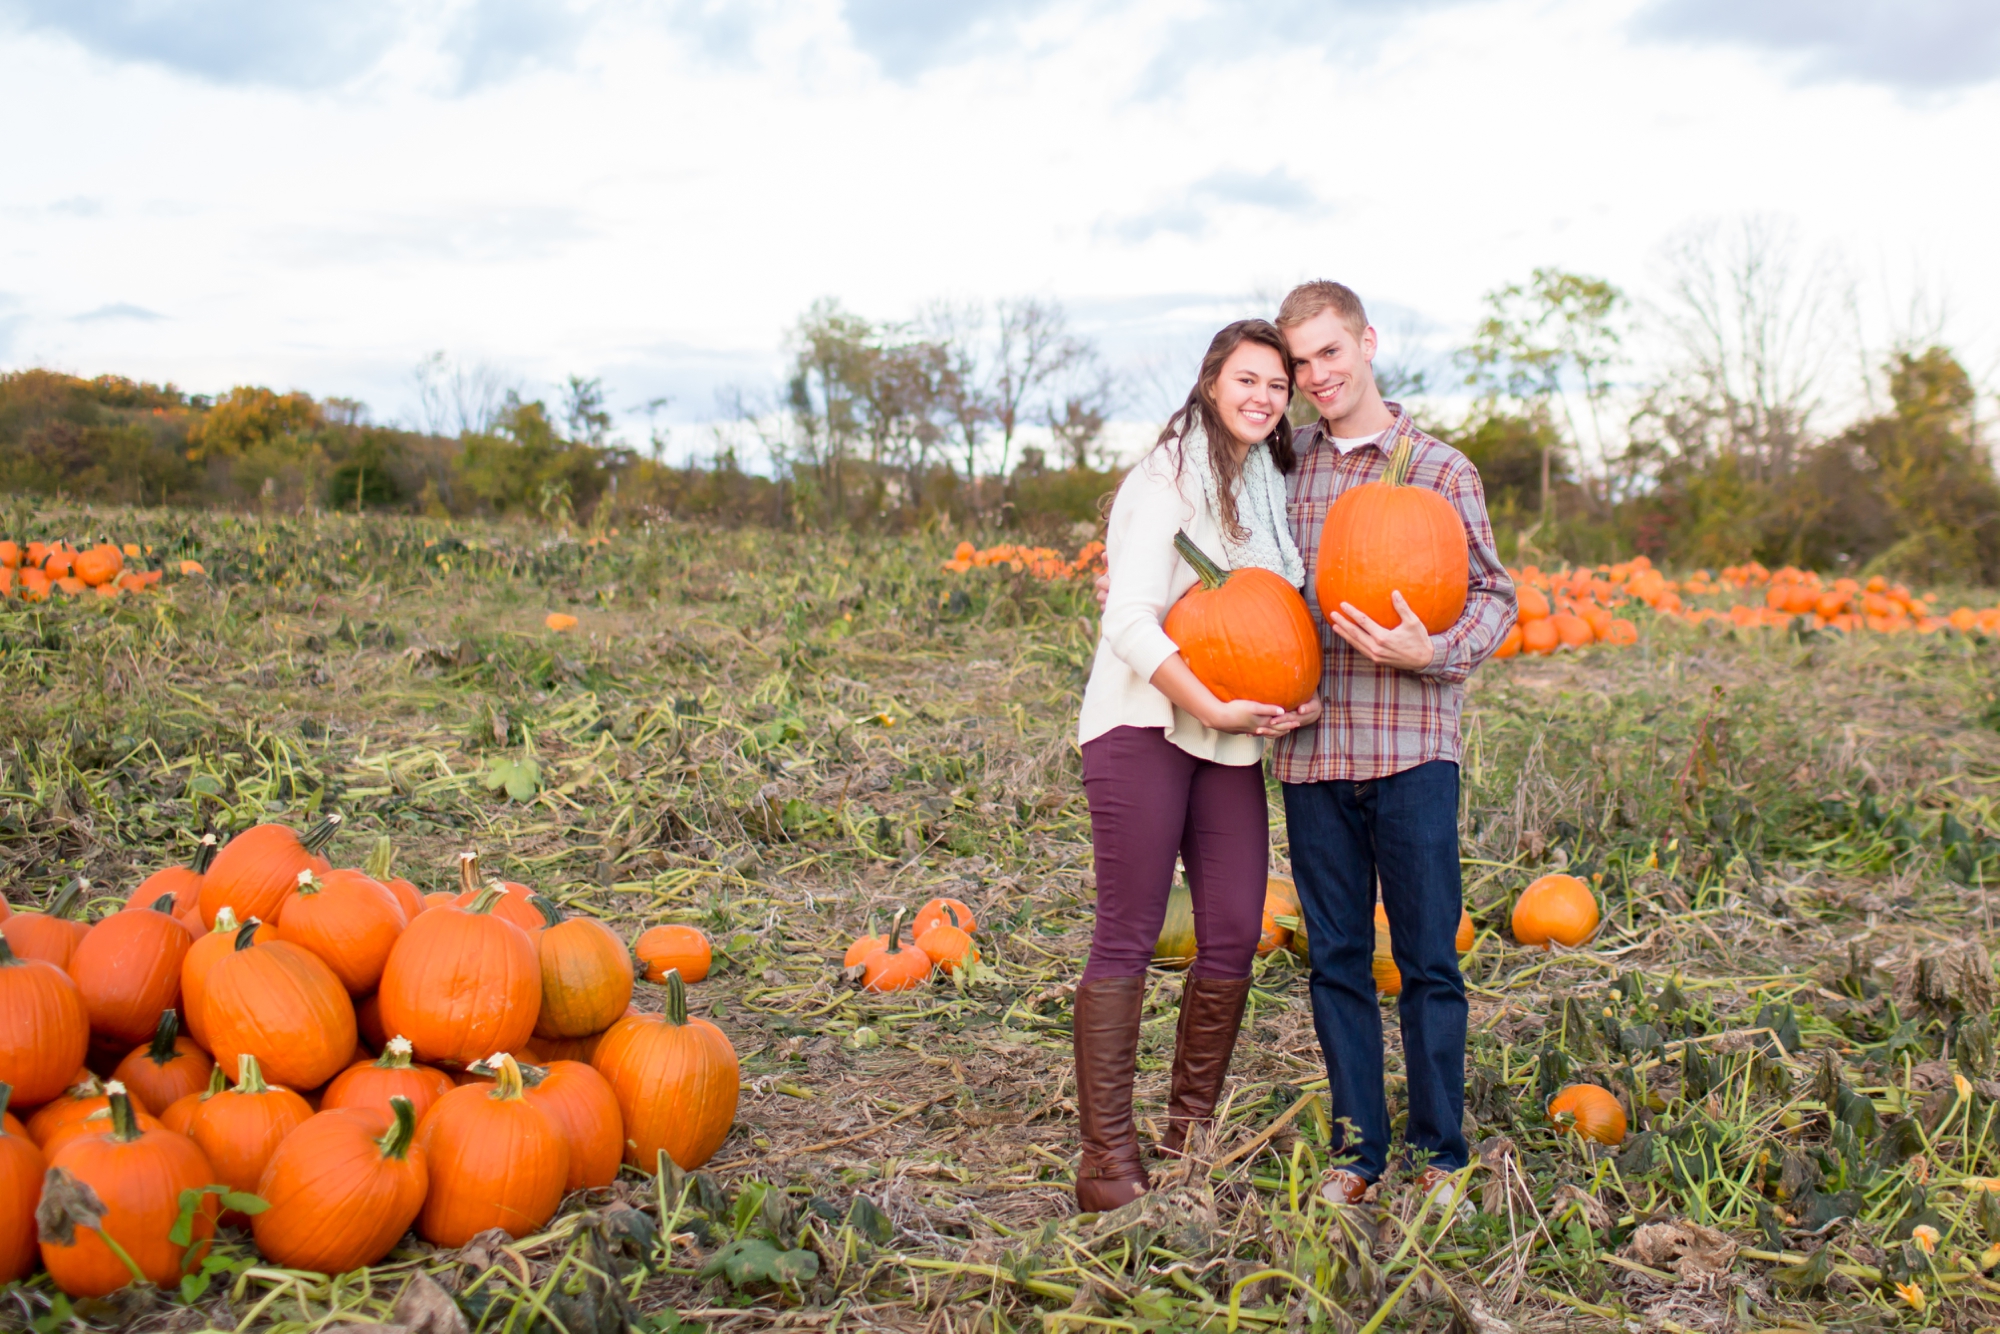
{"x": 781, "y": 738}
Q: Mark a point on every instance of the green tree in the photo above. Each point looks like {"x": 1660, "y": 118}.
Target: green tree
{"x": 1932, "y": 473}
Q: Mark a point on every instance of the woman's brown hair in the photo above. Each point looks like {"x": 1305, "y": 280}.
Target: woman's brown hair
{"x": 1200, "y": 407}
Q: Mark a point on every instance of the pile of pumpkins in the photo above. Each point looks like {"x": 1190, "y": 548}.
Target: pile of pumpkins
{"x": 39, "y": 569}
{"x": 940, "y": 941}
{"x": 451, "y": 1062}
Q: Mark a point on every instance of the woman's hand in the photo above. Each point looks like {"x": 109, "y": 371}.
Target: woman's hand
{"x": 1307, "y": 713}
{"x": 1242, "y": 715}
{"x": 1177, "y": 681}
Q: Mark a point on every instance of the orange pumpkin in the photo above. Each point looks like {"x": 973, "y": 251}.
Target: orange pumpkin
{"x": 342, "y": 1189}
{"x": 21, "y": 1169}
{"x": 349, "y": 920}
{"x": 34, "y": 586}
{"x": 84, "y": 1095}
{"x": 137, "y": 1175}
{"x": 1591, "y": 1111}
{"x": 580, "y": 1104}
{"x": 674, "y": 948}
{"x": 50, "y": 936}
{"x": 461, "y": 983}
{"x": 183, "y": 882}
{"x": 259, "y": 869}
{"x": 676, "y": 1078}
{"x": 515, "y": 903}
{"x": 1245, "y": 634}
{"x": 241, "y": 1127}
{"x": 202, "y": 956}
{"x": 100, "y": 564}
{"x": 168, "y": 1068}
{"x": 1572, "y": 631}
{"x": 391, "y": 1075}
{"x": 180, "y": 1116}
{"x": 1540, "y": 637}
{"x": 282, "y": 1005}
{"x": 1558, "y": 908}
{"x": 949, "y": 948}
{"x": 1622, "y": 631}
{"x": 1389, "y": 536}
{"x": 10, "y": 554}
{"x": 1510, "y": 643}
{"x": 944, "y": 912}
{"x": 44, "y": 1028}
{"x": 129, "y": 969}
{"x": 1533, "y": 604}
{"x": 406, "y": 894}
{"x": 586, "y": 974}
{"x": 496, "y": 1160}
{"x": 894, "y": 967}
{"x": 863, "y": 946}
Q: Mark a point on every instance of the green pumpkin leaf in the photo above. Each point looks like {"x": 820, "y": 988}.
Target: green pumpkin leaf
{"x": 243, "y": 1202}
{"x": 521, "y": 778}
{"x": 747, "y": 1260}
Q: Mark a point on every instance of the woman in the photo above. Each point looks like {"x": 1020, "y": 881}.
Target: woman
{"x": 1170, "y": 770}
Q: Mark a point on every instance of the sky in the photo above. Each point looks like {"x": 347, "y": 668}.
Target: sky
{"x": 318, "y": 194}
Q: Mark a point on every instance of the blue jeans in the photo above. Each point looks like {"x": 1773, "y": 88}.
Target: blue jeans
{"x": 1404, "y": 829}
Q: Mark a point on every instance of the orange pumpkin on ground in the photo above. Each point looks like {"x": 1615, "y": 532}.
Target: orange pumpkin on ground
{"x": 586, "y": 974}
{"x": 1533, "y": 604}
{"x": 97, "y": 1123}
{"x": 949, "y": 948}
{"x": 83, "y": 1095}
{"x": 166, "y": 1069}
{"x": 50, "y": 936}
{"x": 1510, "y": 643}
{"x": 863, "y": 946}
{"x": 259, "y": 869}
{"x": 495, "y": 1159}
{"x": 1593, "y": 1113}
{"x": 241, "y": 1127}
{"x": 1572, "y": 630}
{"x": 1245, "y": 634}
{"x": 1555, "y": 908}
{"x": 391, "y": 1075}
{"x": 515, "y": 904}
{"x": 180, "y": 1116}
{"x": 944, "y": 912}
{"x": 677, "y": 1080}
{"x": 44, "y": 1028}
{"x": 1388, "y": 977}
{"x": 675, "y": 948}
{"x": 343, "y": 1188}
{"x": 895, "y": 967}
{"x": 21, "y": 1168}
{"x": 1389, "y": 536}
{"x": 580, "y": 1104}
{"x": 284, "y": 1006}
{"x": 202, "y": 956}
{"x": 462, "y": 983}
{"x": 129, "y": 969}
{"x": 137, "y": 1176}
{"x": 100, "y": 564}
{"x": 183, "y": 882}
{"x": 349, "y": 920}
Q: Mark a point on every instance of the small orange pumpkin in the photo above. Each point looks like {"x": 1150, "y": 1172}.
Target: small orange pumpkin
{"x": 462, "y": 982}
{"x": 168, "y": 1068}
{"x": 241, "y": 1127}
{"x": 129, "y": 969}
{"x": 282, "y": 1005}
{"x": 44, "y": 1028}
{"x": 515, "y": 903}
{"x": 586, "y": 974}
{"x": 893, "y": 967}
{"x": 259, "y": 869}
{"x": 949, "y": 948}
{"x": 342, "y": 1189}
{"x": 1556, "y": 908}
{"x": 391, "y": 1075}
{"x": 349, "y": 920}
{"x": 50, "y": 936}
{"x": 183, "y": 882}
{"x": 1591, "y": 1111}
{"x": 21, "y": 1167}
{"x": 201, "y": 958}
{"x": 674, "y": 948}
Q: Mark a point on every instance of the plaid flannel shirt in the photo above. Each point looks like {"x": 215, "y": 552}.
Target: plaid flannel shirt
{"x": 1379, "y": 721}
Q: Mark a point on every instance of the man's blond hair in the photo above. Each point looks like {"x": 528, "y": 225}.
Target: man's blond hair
{"x": 1309, "y": 299}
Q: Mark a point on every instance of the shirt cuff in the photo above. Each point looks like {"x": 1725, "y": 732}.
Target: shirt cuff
{"x": 1151, "y": 650}
{"x": 1446, "y": 662}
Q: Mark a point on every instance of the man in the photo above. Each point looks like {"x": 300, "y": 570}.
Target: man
{"x": 1371, "y": 787}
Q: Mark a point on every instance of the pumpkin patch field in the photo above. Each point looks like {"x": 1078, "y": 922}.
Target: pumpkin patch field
{"x": 675, "y": 929}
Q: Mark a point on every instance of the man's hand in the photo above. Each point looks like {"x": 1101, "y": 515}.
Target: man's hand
{"x": 1302, "y": 716}
{"x": 1103, "y": 589}
{"x": 1406, "y": 646}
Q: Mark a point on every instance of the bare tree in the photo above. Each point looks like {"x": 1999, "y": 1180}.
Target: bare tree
{"x": 960, "y": 328}
{"x": 1080, "y": 407}
{"x": 459, "y": 400}
{"x": 1033, "y": 343}
{"x": 832, "y": 361}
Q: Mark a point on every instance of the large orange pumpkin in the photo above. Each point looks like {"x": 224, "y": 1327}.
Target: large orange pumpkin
{"x": 183, "y": 882}
{"x": 44, "y": 1028}
{"x": 685, "y": 950}
{"x": 462, "y": 983}
{"x": 125, "y": 1184}
{"x": 350, "y": 920}
{"x": 21, "y": 1169}
{"x": 259, "y": 869}
{"x": 1245, "y": 634}
{"x": 496, "y": 1160}
{"x": 241, "y": 1127}
{"x": 166, "y": 1069}
{"x": 1389, "y": 536}
{"x": 586, "y": 974}
{"x": 50, "y": 936}
{"x": 342, "y": 1189}
{"x": 100, "y": 564}
{"x": 282, "y": 1005}
{"x": 373, "y": 1084}
{"x": 677, "y": 1081}
{"x": 201, "y": 958}
{"x": 1592, "y": 1112}
{"x": 580, "y": 1104}
{"x": 1558, "y": 908}
{"x": 129, "y": 969}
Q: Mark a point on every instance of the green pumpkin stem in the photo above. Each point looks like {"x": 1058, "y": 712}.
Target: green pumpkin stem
{"x": 380, "y": 858}
{"x": 7, "y": 959}
{"x": 896, "y": 931}
{"x": 395, "y": 1054}
{"x": 249, "y": 1079}
{"x": 1401, "y": 457}
{"x": 321, "y": 834}
{"x": 217, "y": 1081}
{"x": 6, "y": 1092}
{"x": 492, "y": 894}
{"x": 246, "y": 935}
{"x": 164, "y": 903}
{"x": 308, "y": 883}
{"x": 204, "y": 853}
{"x": 506, "y": 1076}
{"x": 551, "y": 911}
{"x": 677, "y": 998}
{"x": 396, "y": 1143}
{"x": 1210, "y": 574}
{"x": 124, "y": 1123}
{"x": 163, "y": 1051}
{"x": 65, "y": 901}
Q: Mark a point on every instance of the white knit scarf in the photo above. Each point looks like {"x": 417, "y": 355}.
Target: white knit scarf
{"x": 1260, "y": 508}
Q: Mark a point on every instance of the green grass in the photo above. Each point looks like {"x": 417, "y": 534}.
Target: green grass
{"x": 780, "y": 737}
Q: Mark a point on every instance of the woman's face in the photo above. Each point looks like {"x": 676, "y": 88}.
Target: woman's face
{"x": 1252, "y": 392}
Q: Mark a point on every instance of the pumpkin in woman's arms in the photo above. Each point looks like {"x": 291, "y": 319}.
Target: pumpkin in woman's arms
{"x": 1245, "y": 634}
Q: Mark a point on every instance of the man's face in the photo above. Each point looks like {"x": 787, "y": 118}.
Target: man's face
{"x": 1332, "y": 363}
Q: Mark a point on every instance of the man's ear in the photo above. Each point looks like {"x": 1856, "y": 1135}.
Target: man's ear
{"x": 1368, "y": 344}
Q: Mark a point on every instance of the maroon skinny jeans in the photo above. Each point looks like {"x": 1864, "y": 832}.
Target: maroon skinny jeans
{"x": 1151, "y": 800}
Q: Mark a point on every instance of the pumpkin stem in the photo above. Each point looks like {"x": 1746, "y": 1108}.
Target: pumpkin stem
{"x": 64, "y": 903}
{"x": 124, "y": 1125}
{"x": 164, "y": 903}
{"x": 506, "y": 1076}
{"x": 395, "y": 1054}
{"x": 550, "y": 910}
{"x": 249, "y": 1079}
{"x": 380, "y": 858}
{"x": 396, "y": 1143}
{"x": 163, "y": 1052}
{"x": 307, "y": 883}
{"x": 246, "y": 935}
{"x": 225, "y": 919}
{"x": 321, "y": 834}
{"x": 896, "y": 931}
{"x": 492, "y": 894}
{"x": 1211, "y": 574}
{"x": 1400, "y": 458}
{"x": 217, "y": 1081}
{"x": 677, "y": 998}
{"x": 204, "y": 853}
{"x": 6, "y": 1092}
{"x": 468, "y": 871}
{"x": 7, "y": 958}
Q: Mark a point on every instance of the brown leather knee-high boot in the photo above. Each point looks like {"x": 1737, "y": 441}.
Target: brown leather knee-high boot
{"x": 1107, "y": 1054}
{"x": 1211, "y": 1012}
